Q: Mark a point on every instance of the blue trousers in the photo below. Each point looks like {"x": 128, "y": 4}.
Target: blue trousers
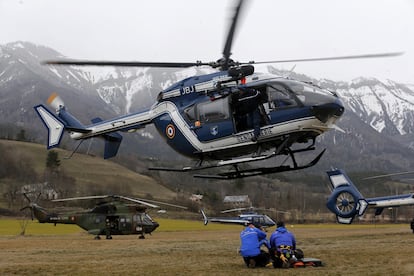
{"x": 253, "y": 121}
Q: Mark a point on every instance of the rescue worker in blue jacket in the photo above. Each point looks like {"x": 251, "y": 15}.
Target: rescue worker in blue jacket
{"x": 252, "y": 238}
{"x": 282, "y": 246}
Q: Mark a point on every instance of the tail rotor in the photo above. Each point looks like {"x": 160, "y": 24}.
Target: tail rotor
{"x": 32, "y": 204}
{"x": 345, "y": 201}
{"x": 55, "y": 101}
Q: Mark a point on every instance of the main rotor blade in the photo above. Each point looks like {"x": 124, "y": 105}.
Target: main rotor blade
{"x": 28, "y": 199}
{"x": 139, "y": 201}
{"x": 80, "y": 198}
{"x": 232, "y": 29}
{"x": 390, "y": 174}
{"x": 163, "y": 203}
{"x": 234, "y": 210}
{"x": 125, "y": 63}
{"x": 380, "y": 55}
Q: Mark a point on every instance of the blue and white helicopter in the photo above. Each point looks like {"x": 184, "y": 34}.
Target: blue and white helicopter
{"x": 243, "y": 219}
{"x": 346, "y": 202}
{"x": 198, "y": 118}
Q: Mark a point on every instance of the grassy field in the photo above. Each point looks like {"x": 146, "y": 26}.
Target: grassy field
{"x": 190, "y": 248}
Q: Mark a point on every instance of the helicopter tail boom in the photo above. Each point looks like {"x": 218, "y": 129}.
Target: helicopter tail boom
{"x": 42, "y": 215}
{"x": 63, "y": 120}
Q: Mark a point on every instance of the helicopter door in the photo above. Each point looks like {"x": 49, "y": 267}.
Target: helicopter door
{"x": 138, "y": 223}
{"x": 214, "y": 118}
{"x": 124, "y": 224}
{"x": 112, "y": 223}
{"x": 280, "y": 103}
{"x": 244, "y": 106}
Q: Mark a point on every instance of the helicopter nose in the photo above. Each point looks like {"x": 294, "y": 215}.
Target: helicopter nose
{"x": 155, "y": 225}
{"x": 326, "y": 111}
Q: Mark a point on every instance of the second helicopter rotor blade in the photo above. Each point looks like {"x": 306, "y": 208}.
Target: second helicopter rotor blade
{"x": 125, "y": 63}
{"x": 379, "y": 55}
{"x": 232, "y": 29}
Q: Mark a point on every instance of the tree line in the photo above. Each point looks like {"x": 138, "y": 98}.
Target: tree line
{"x": 18, "y": 176}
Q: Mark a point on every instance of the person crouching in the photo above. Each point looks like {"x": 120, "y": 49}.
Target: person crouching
{"x": 252, "y": 238}
{"x": 282, "y": 247}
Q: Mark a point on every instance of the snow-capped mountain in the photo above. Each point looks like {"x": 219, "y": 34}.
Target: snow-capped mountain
{"x": 387, "y": 106}
{"x": 377, "y": 122}
{"x": 131, "y": 89}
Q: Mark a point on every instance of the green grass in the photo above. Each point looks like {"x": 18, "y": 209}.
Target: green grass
{"x": 11, "y": 227}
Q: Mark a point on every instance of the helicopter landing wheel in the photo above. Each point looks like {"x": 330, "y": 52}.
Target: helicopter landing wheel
{"x": 141, "y": 237}
{"x": 97, "y": 238}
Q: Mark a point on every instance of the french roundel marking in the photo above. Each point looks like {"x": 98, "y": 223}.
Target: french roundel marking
{"x": 170, "y": 131}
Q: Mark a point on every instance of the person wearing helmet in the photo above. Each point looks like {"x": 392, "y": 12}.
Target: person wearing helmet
{"x": 252, "y": 238}
{"x": 283, "y": 246}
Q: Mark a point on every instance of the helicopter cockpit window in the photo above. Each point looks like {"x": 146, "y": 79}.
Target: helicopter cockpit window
{"x": 213, "y": 110}
{"x": 136, "y": 218}
{"x": 311, "y": 94}
{"x": 146, "y": 220}
{"x": 259, "y": 220}
{"x": 279, "y": 97}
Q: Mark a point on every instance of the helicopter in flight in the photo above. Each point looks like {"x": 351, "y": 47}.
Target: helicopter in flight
{"x": 244, "y": 218}
{"x": 110, "y": 216}
{"x": 200, "y": 116}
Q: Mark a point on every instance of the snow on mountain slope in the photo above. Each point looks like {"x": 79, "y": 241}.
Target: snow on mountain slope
{"x": 388, "y": 107}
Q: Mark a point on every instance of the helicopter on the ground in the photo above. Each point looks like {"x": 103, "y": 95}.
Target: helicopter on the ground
{"x": 113, "y": 216}
{"x": 346, "y": 202}
{"x": 244, "y": 218}
{"x": 199, "y": 116}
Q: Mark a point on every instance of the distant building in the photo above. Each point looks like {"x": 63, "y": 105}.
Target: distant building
{"x": 46, "y": 192}
{"x": 240, "y": 200}
{"x": 196, "y": 197}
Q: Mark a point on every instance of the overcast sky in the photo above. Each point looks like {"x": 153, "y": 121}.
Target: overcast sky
{"x": 190, "y": 30}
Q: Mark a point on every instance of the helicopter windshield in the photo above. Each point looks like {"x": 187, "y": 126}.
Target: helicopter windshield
{"x": 310, "y": 94}
{"x": 280, "y": 97}
{"x": 148, "y": 219}
{"x": 143, "y": 219}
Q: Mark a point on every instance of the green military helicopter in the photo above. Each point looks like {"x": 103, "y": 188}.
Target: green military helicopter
{"x": 112, "y": 215}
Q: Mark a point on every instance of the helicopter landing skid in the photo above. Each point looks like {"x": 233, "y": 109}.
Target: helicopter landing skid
{"x": 237, "y": 173}
{"x": 218, "y": 164}
{"x": 256, "y": 157}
